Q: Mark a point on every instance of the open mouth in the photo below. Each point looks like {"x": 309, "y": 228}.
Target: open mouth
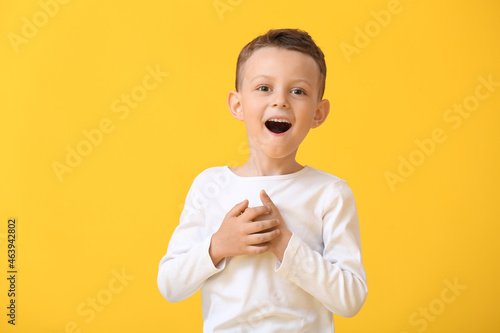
{"x": 278, "y": 126}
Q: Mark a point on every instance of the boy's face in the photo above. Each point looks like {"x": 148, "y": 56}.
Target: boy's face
{"x": 278, "y": 100}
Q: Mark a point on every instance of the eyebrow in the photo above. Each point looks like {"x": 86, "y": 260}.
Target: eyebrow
{"x": 260, "y": 77}
{"x": 263, "y": 76}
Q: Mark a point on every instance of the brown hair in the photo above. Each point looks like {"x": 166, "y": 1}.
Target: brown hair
{"x": 290, "y": 39}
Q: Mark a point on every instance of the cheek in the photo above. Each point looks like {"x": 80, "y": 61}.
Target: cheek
{"x": 306, "y": 117}
{"x": 248, "y": 106}
{"x": 252, "y": 124}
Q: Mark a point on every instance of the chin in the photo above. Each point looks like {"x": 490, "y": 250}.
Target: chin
{"x": 278, "y": 153}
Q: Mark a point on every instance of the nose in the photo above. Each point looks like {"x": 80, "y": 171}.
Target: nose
{"x": 280, "y": 101}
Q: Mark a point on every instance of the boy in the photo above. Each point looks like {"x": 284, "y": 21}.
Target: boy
{"x": 273, "y": 245}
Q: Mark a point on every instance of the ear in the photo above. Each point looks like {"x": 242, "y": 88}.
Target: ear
{"x": 234, "y": 104}
{"x": 321, "y": 113}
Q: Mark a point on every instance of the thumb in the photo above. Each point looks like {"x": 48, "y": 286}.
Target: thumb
{"x": 239, "y": 208}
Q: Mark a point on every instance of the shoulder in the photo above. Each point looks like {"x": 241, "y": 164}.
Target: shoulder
{"x": 206, "y": 185}
{"x": 324, "y": 177}
{"x": 335, "y": 195}
{"x": 218, "y": 175}
{"x": 332, "y": 185}
{"x": 212, "y": 171}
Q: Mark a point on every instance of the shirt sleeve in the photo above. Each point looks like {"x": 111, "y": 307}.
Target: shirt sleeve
{"x": 187, "y": 263}
{"x": 336, "y": 277}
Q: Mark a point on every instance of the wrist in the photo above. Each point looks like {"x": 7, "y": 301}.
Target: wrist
{"x": 213, "y": 252}
{"x": 282, "y": 244}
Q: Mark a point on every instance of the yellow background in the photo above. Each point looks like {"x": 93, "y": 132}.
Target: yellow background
{"x": 115, "y": 212}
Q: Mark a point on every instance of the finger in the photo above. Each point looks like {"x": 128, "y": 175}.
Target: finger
{"x": 253, "y": 212}
{"x": 263, "y": 225}
{"x": 261, "y": 238}
{"x": 266, "y": 200}
{"x": 238, "y": 208}
{"x": 258, "y": 249}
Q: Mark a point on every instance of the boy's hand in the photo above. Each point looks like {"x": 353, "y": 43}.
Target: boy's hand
{"x": 240, "y": 234}
{"x": 279, "y": 243}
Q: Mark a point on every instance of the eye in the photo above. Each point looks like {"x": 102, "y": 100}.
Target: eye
{"x": 298, "y": 91}
{"x": 263, "y": 88}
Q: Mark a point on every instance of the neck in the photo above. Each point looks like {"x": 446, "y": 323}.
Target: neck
{"x": 266, "y": 166}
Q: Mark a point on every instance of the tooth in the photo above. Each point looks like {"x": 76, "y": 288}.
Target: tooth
{"x": 279, "y": 120}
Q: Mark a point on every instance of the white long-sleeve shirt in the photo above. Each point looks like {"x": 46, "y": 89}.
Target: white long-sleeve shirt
{"x": 321, "y": 272}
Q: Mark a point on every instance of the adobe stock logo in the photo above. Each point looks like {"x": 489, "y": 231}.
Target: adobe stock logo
{"x": 89, "y": 309}
{"x": 30, "y": 28}
{"x": 427, "y": 146}
{"x": 425, "y": 315}
{"x": 223, "y": 6}
{"x": 373, "y": 28}
{"x": 95, "y": 136}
